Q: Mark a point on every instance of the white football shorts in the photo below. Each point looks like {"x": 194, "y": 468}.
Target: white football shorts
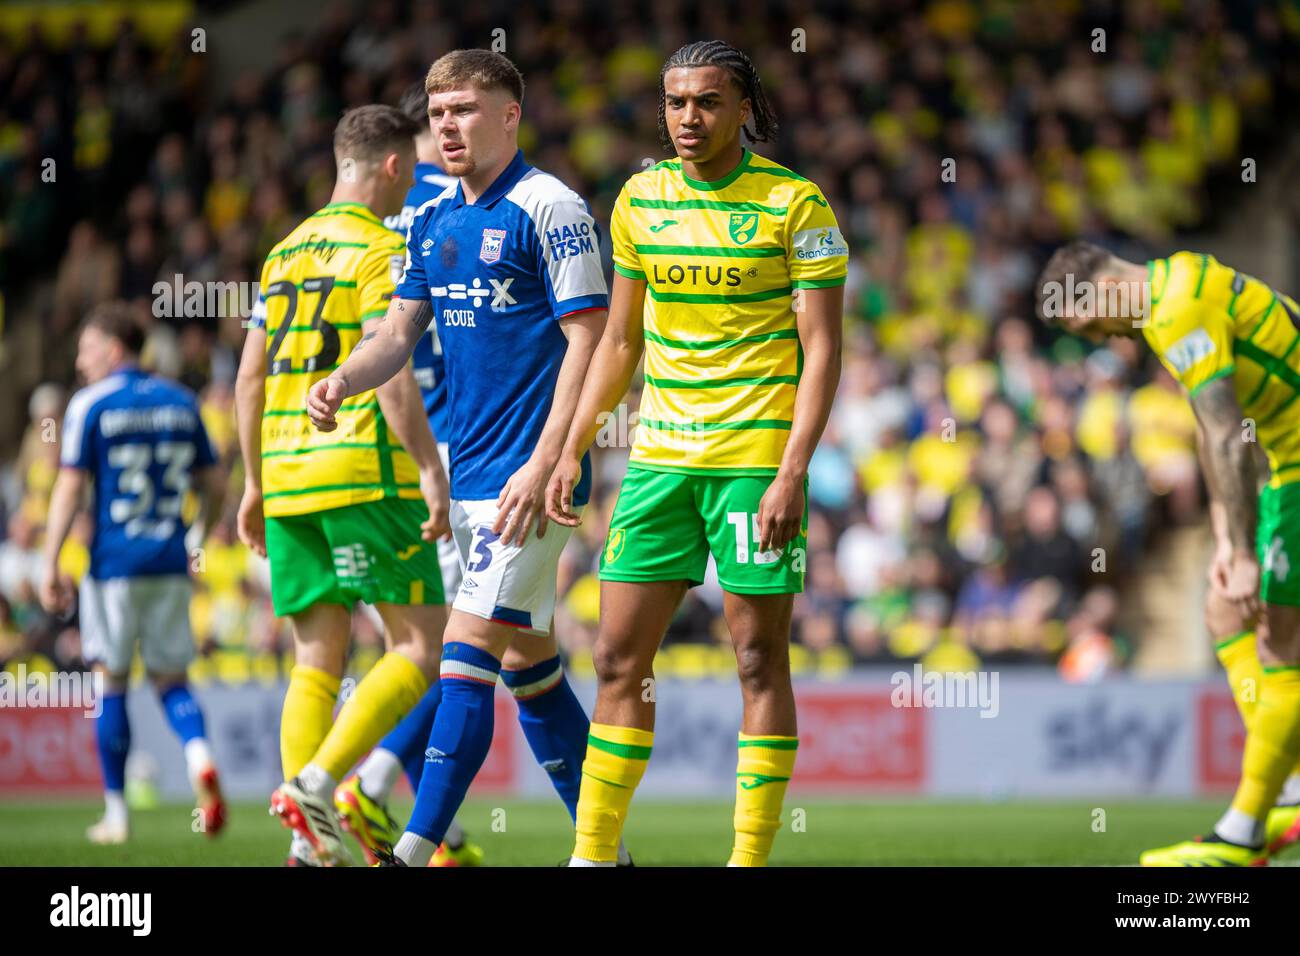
{"x": 117, "y": 614}
{"x": 510, "y": 585}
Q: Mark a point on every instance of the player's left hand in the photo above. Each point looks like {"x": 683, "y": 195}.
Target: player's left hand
{"x": 521, "y": 502}
{"x": 1242, "y": 585}
{"x": 250, "y": 521}
{"x": 559, "y": 492}
{"x": 437, "y": 497}
{"x": 780, "y": 513}
{"x": 55, "y": 592}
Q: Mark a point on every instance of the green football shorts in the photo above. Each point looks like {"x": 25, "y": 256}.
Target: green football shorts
{"x": 369, "y": 552}
{"x": 665, "y": 525}
{"x": 1278, "y": 543}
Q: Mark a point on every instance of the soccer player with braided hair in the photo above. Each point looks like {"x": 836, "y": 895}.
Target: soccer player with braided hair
{"x": 729, "y": 273}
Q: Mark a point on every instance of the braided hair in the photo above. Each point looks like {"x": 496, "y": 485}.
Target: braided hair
{"x": 738, "y": 65}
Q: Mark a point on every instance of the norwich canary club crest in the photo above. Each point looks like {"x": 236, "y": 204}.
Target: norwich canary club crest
{"x": 614, "y": 544}
{"x": 743, "y": 225}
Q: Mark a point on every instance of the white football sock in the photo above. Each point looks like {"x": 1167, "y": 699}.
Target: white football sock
{"x": 115, "y": 808}
{"x": 1237, "y": 827}
{"x": 317, "y": 782}
{"x": 198, "y": 758}
{"x": 379, "y": 773}
{"x": 579, "y": 861}
{"x": 414, "y": 850}
{"x": 624, "y": 858}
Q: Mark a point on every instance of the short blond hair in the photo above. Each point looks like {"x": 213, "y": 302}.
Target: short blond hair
{"x": 481, "y": 68}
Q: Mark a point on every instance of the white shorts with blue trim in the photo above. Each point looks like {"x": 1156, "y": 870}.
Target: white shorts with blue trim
{"x": 117, "y": 614}
{"x": 509, "y": 585}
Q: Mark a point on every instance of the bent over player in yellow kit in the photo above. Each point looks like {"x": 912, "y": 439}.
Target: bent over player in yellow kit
{"x": 1231, "y": 341}
{"x": 729, "y": 274}
{"x": 348, "y": 516}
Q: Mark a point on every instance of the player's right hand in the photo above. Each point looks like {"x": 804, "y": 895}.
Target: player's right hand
{"x": 251, "y": 522}
{"x": 323, "y": 401}
{"x": 1220, "y": 566}
{"x": 55, "y": 592}
{"x": 559, "y": 492}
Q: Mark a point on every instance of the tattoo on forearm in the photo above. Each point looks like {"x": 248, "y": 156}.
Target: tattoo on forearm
{"x": 1231, "y": 460}
{"x": 1236, "y": 476}
{"x": 422, "y": 316}
{"x": 362, "y": 344}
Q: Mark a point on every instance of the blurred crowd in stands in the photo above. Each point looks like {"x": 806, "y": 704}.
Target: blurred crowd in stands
{"x": 984, "y": 490}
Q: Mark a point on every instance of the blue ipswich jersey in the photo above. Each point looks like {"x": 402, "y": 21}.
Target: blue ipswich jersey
{"x": 141, "y": 439}
{"x": 499, "y": 274}
{"x": 430, "y": 181}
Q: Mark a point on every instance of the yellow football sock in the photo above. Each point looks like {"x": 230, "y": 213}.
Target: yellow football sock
{"x": 762, "y": 775}
{"x": 1272, "y": 743}
{"x": 616, "y": 759}
{"x": 1239, "y": 655}
{"x": 393, "y": 686}
{"x": 1240, "y": 659}
{"x": 306, "y": 716}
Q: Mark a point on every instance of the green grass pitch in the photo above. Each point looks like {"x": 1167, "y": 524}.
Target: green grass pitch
{"x": 517, "y": 833}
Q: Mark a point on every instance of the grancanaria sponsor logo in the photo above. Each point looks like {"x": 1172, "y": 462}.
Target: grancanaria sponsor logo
{"x": 825, "y": 242}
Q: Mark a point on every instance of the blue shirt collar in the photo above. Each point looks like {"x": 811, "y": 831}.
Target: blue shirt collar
{"x": 427, "y": 169}
{"x": 500, "y": 186}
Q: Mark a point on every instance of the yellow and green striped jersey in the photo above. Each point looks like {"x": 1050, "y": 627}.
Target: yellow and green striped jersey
{"x": 1207, "y": 321}
{"x": 721, "y": 261}
{"x": 337, "y": 269}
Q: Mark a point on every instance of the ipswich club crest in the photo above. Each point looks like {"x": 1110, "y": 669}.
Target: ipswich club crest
{"x": 490, "y": 251}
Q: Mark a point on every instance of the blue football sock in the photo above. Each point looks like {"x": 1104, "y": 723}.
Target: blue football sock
{"x": 554, "y": 724}
{"x": 113, "y": 736}
{"x": 183, "y": 713}
{"x": 459, "y": 741}
{"x": 409, "y": 738}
